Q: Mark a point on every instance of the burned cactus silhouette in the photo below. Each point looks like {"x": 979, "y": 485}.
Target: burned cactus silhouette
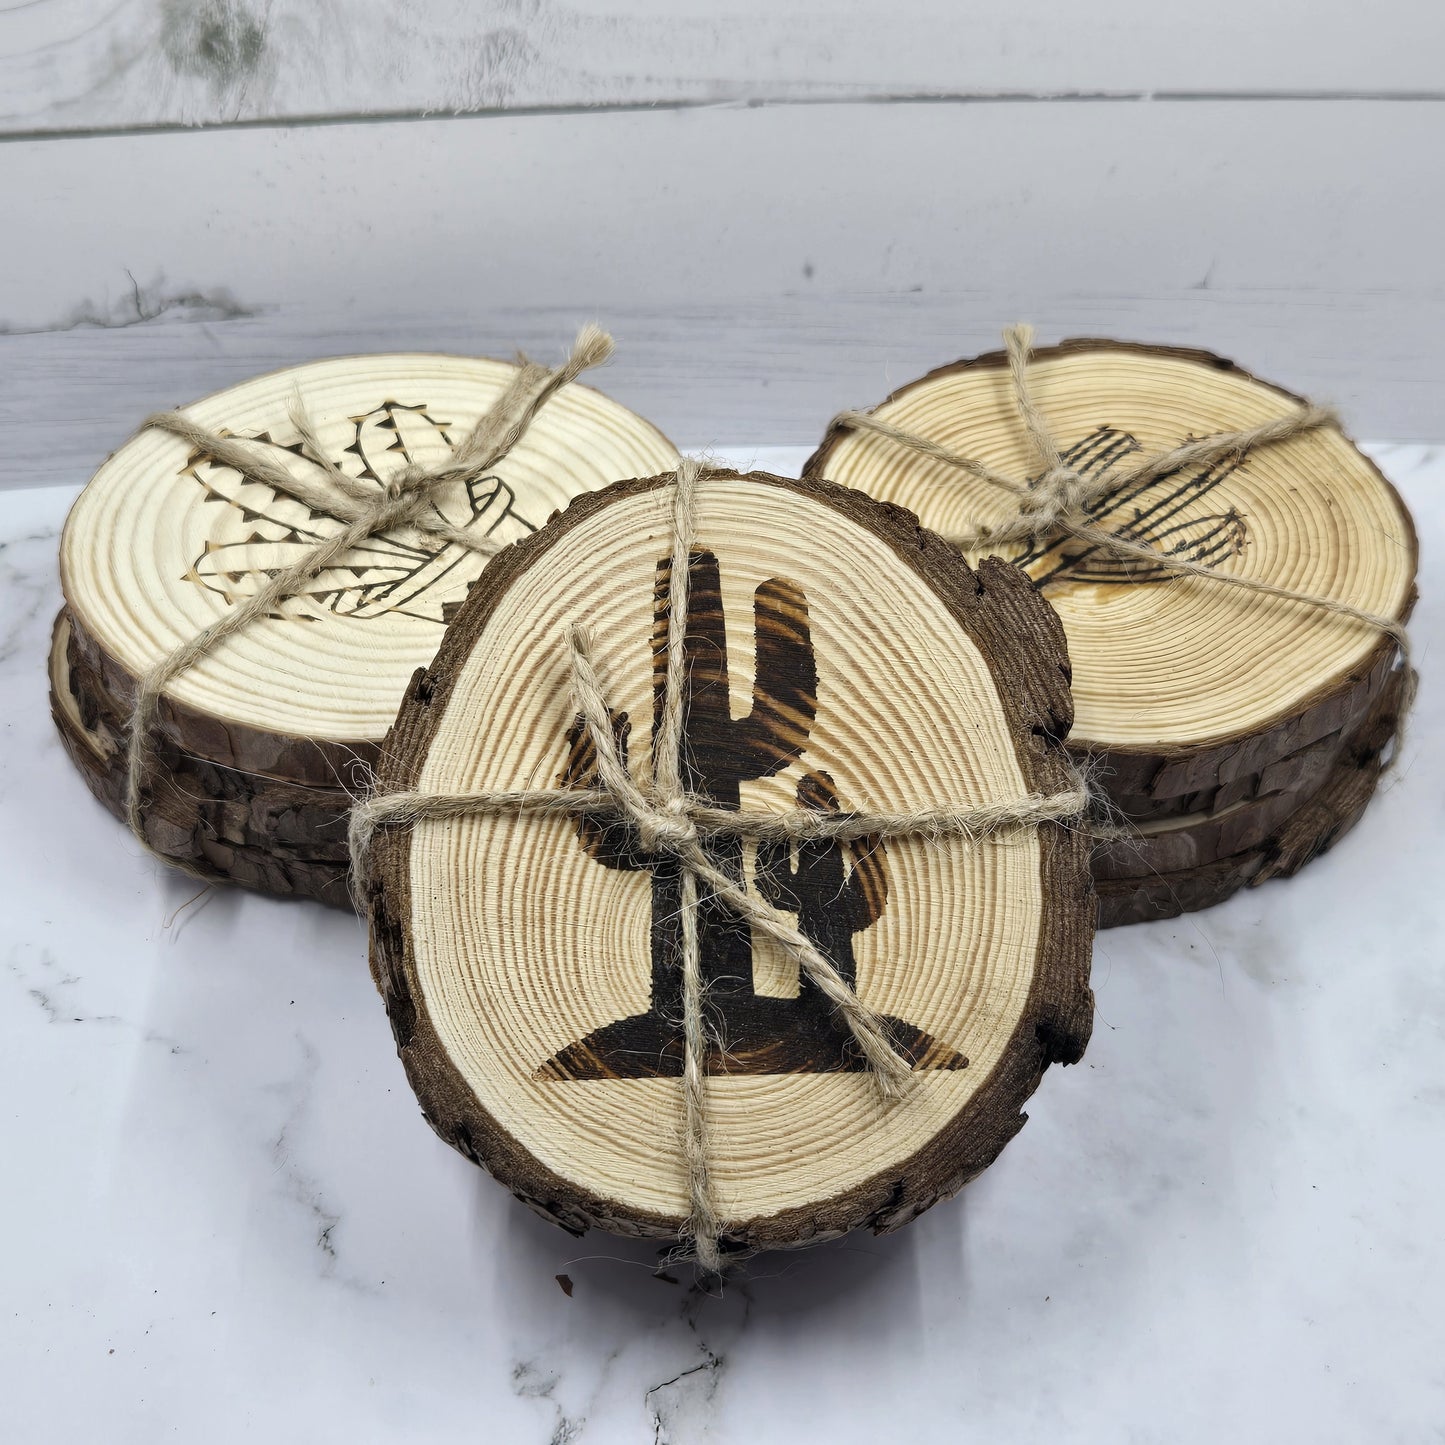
{"x": 753, "y": 1033}
{"x": 719, "y": 752}
{"x": 1157, "y": 512}
{"x": 813, "y": 880}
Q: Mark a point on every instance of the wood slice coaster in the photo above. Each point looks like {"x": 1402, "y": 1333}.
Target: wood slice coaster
{"x": 1235, "y": 821}
{"x": 282, "y": 839}
{"x": 1181, "y": 685}
{"x": 530, "y": 964}
{"x": 1171, "y": 845}
{"x": 1313, "y": 828}
{"x": 1300, "y": 773}
{"x": 303, "y": 819}
{"x": 164, "y": 540}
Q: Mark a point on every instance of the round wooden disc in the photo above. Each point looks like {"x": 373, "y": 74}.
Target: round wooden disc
{"x": 302, "y": 819}
{"x": 1174, "y": 844}
{"x": 1177, "y": 681}
{"x": 1312, "y": 828}
{"x": 280, "y": 838}
{"x": 164, "y": 540}
{"x": 529, "y": 964}
{"x": 1300, "y": 773}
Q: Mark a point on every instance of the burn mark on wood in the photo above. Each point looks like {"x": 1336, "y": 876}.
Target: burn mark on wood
{"x": 260, "y": 531}
{"x": 836, "y": 889}
{"x": 1160, "y": 512}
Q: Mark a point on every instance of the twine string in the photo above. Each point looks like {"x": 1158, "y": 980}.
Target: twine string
{"x": 669, "y": 821}
{"x": 668, "y": 791}
{"x": 405, "y": 501}
{"x": 1058, "y": 502}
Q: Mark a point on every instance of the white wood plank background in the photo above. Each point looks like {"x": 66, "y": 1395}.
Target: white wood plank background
{"x": 85, "y": 64}
{"x": 762, "y": 265}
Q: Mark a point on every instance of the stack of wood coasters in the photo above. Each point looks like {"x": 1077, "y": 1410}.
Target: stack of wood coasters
{"x": 261, "y": 745}
{"x": 1234, "y": 734}
{"x": 835, "y": 658}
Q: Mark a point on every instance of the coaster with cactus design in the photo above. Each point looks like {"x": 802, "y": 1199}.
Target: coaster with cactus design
{"x": 1211, "y": 714}
{"x": 838, "y": 659}
{"x": 262, "y": 743}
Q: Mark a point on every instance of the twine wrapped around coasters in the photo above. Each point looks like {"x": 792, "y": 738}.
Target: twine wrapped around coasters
{"x": 406, "y": 502}
{"x": 669, "y": 821}
{"x": 1235, "y": 731}
{"x": 1056, "y": 504}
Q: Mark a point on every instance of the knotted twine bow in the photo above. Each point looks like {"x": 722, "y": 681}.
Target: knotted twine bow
{"x": 1058, "y": 502}
{"x": 405, "y": 501}
{"x": 672, "y": 822}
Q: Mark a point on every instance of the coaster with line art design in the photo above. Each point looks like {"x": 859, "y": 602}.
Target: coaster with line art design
{"x": 1211, "y": 715}
{"x": 166, "y": 539}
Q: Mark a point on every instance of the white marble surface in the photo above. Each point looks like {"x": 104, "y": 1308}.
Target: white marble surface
{"x": 223, "y": 1219}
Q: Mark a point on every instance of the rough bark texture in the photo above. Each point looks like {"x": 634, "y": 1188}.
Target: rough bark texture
{"x": 311, "y": 762}
{"x": 1226, "y": 762}
{"x": 1300, "y": 773}
{"x": 250, "y": 808}
{"x": 1176, "y": 844}
{"x": 1023, "y": 642}
{"x": 1313, "y": 828}
{"x": 236, "y": 828}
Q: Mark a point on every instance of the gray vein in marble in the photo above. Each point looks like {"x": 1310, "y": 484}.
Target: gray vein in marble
{"x": 529, "y": 1382}
{"x": 659, "y": 1357}
{"x": 54, "y": 992}
{"x": 663, "y": 1412}
{"x": 678, "y": 1407}
{"x": 300, "y": 1186}
{"x": 36, "y": 583}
